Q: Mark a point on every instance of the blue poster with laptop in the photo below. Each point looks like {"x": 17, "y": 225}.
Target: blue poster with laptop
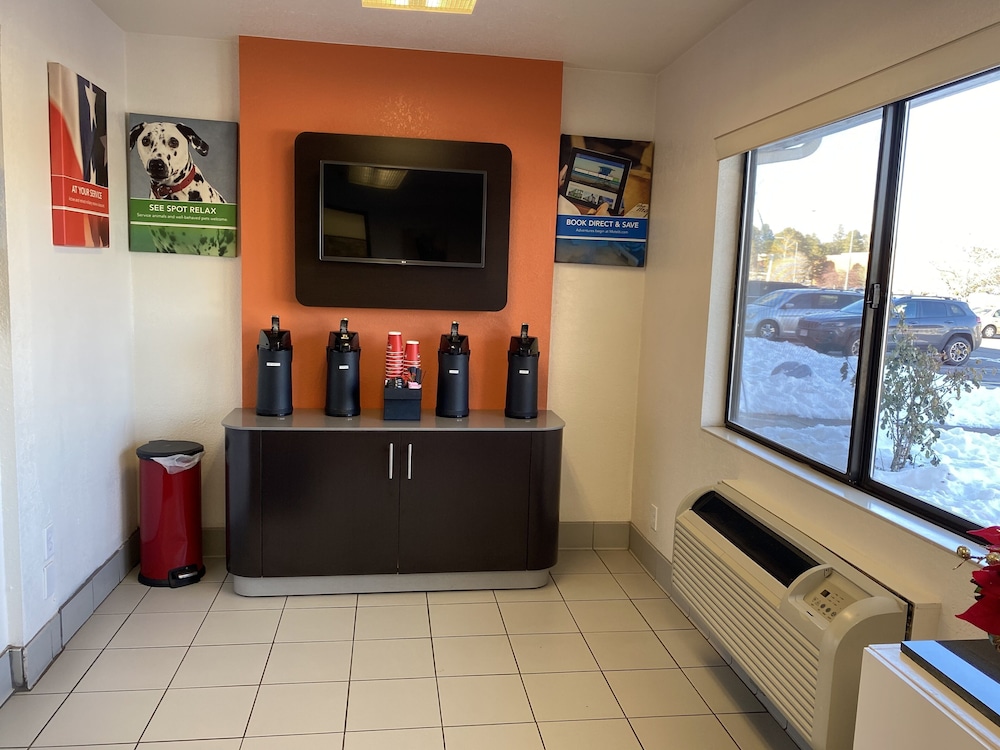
{"x": 604, "y": 189}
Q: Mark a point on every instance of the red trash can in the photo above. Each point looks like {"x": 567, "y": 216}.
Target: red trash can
{"x": 170, "y": 513}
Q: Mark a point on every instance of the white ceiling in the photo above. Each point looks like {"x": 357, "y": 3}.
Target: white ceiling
{"x": 636, "y": 36}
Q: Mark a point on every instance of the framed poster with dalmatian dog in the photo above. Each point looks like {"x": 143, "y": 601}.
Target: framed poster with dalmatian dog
{"x": 182, "y": 179}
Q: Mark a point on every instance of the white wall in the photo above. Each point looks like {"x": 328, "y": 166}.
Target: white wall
{"x": 66, "y": 439}
{"x": 8, "y": 486}
{"x": 185, "y": 390}
{"x": 67, "y": 450}
{"x": 187, "y": 308}
{"x": 596, "y": 311}
{"x": 772, "y": 55}
{"x": 79, "y": 392}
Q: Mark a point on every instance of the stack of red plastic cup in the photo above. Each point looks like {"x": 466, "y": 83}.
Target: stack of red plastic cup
{"x": 411, "y": 361}
{"x": 394, "y": 356}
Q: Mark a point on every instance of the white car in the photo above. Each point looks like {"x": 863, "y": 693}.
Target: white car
{"x": 989, "y": 319}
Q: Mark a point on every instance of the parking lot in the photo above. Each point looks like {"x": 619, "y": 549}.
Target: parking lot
{"x": 987, "y": 360}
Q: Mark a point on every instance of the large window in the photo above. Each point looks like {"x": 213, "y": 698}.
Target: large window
{"x": 865, "y": 340}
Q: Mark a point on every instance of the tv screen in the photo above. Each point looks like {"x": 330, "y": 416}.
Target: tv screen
{"x": 404, "y": 223}
{"x": 383, "y": 213}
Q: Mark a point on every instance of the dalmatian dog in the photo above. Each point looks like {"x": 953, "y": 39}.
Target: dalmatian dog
{"x": 165, "y": 149}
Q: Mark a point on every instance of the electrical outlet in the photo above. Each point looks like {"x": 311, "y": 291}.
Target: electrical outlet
{"x": 50, "y": 542}
{"x": 48, "y": 581}
{"x": 653, "y": 513}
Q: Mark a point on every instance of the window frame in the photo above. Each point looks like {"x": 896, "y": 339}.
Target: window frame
{"x": 875, "y": 319}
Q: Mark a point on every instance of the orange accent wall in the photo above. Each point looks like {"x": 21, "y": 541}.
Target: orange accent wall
{"x": 289, "y": 87}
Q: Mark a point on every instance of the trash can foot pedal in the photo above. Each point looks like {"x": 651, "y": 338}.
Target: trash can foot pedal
{"x": 177, "y": 577}
{"x": 184, "y": 576}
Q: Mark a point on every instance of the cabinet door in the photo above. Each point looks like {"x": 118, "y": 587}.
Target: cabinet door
{"x": 243, "y": 502}
{"x": 463, "y": 502}
{"x": 329, "y": 503}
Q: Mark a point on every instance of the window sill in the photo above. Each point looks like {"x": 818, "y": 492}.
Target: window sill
{"x": 918, "y": 527}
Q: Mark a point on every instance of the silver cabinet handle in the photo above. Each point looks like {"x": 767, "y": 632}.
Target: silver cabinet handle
{"x": 409, "y": 460}
{"x": 390, "y": 460}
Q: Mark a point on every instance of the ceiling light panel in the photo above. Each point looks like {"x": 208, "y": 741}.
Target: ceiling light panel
{"x": 437, "y": 6}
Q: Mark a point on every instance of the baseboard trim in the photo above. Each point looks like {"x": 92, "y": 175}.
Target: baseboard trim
{"x": 6, "y": 675}
{"x": 658, "y": 566}
{"x": 28, "y": 663}
{"x": 617, "y": 535}
{"x": 213, "y": 541}
{"x": 594, "y": 534}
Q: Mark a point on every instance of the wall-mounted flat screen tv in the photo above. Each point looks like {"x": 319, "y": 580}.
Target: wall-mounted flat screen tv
{"x": 384, "y": 213}
{"x": 401, "y": 222}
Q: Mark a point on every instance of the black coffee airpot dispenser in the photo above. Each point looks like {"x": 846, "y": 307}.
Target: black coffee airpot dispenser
{"x": 343, "y": 373}
{"x": 522, "y": 376}
{"x": 274, "y": 371}
{"x": 453, "y": 375}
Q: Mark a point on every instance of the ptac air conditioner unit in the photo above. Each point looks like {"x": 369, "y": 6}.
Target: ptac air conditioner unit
{"x": 790, "y": 616}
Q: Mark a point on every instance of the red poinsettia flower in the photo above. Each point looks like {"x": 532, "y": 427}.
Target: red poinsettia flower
{"x": 988, "y": 579}
{"x": 985, "y": 613}
{"x": 991, "y": 535}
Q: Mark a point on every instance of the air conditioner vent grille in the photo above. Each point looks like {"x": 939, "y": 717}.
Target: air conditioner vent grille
{"x": 750, "y": 628}
{"x": 793, "y": 617}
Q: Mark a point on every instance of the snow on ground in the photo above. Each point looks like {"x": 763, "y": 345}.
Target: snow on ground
{"x": 818, "y": 411}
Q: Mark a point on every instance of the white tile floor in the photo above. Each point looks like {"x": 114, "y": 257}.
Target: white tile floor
{"x": 600, "y": 659}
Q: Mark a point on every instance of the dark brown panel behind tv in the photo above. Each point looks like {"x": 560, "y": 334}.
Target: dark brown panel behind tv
{"x": 320, "y": 283}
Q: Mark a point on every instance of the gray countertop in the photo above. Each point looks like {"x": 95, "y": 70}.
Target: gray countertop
{"x": 371, "y": 420}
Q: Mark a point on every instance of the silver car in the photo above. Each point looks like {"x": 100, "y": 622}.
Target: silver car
{"x": 776, "y": 315}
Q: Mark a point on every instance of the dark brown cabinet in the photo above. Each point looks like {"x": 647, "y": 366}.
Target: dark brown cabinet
{"x": 328, "y": 506}
{"x": 463, "y": 502}
{"x": 314, "y": 496}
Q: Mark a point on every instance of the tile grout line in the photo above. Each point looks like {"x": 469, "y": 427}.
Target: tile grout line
{"x": 603, "y": 675}
{"x": 285, "y": 609}
{"x": 186, "y": 652}
{"x": 260, "y": 682}
{"x": 437, "y": 679}
{"x": 350, "y": 671}
{"x": 520, "y": 674}
{"x": 683, "y": 671}
{"x": 77, "y": 683}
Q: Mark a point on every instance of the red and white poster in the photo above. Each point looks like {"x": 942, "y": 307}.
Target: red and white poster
{"x": 78, "y": 154}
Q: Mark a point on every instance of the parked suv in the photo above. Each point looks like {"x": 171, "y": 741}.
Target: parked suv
{"x": 947, "y": 325}
{"x": 776, "y": 314}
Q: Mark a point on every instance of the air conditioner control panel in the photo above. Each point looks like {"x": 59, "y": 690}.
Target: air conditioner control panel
{"x": 823, "y": 593}
{"x": 828, "y": 600}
